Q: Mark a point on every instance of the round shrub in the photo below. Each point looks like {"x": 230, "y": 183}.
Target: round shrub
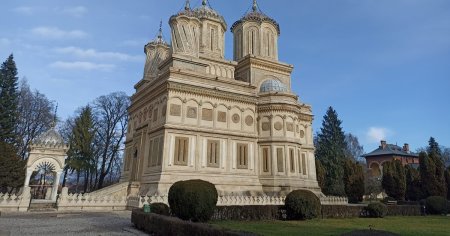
{"x": 436, "y": 205}
{"x": 193, "y": 200}
{"x": 302, "y": 204}
{"x": 160, "y": 209}
{"x": 376, "y": 210}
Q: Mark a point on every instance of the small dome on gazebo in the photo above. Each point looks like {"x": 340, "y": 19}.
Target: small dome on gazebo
{"x": 50, "y": 137}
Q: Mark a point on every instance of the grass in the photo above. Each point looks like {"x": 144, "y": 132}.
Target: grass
{"x": 413, "y": 225}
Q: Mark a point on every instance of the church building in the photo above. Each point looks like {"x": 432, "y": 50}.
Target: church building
{"x": 235, "y": 123}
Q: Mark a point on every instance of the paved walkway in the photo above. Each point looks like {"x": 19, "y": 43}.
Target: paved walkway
{"x": 111, "y": 223}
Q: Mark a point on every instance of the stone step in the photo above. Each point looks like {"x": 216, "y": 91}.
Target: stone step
{"x": 41, "y": 207}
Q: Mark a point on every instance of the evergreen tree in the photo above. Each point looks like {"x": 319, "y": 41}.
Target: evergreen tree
{"x": 447, "y": 180}
{"x": 81, "y": 152}
{"x": 388, "y": 182}
{"x": 432, "y": 175}
{"x": 413, "y": 184}
{"x": 12, "y": 169}
{"x": 394, "y": 179}
{"x": 320, "y": 173}
{"x": 433, "y": 147}
{"x": 354, "y": 181}
{"x": 330, "y": 150}
{"x": 8, "y": 100}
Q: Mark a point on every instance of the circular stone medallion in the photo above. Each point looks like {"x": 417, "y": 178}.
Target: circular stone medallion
{"x": 302, "y": 134}
{"x": 249, "y": 120}
{"x": 236, "y": 118}
{"x": 278, "y": 126}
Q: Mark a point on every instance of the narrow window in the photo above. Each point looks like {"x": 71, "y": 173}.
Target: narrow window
{"x": 299, "y": 161}
{"x": 155, "y": 152}
{"x": 291, "y": 160}
{"x": 266, "y": 159}
{"x": 181, "y": 151}
{"x": 242, "y": 156}
{"x": 161, "y": 149}
{"x": 213, "y": 153}
{"x": 149, "y": 162}
{"x": 280, "y": 161}
{"x": 155, "y": 115}
{"x": 212, "y": 39}
{"x": 304, "y": 163}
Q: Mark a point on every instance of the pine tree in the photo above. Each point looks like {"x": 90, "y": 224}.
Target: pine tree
{"x": 388, "y": 178}
{"x": 330, "y": 150}
{"x": 320, "y": 174}
{"x": 413, "y": 184}
{"x": 433, "y": 147}
{"x": 447, "y": 180}
{"x": 353, "y": 181}
{"x": 8, "y": 100}
{"x": 81, "y": 152}
{"x": 12, "y": 169}
{"x": 432, "y": 175}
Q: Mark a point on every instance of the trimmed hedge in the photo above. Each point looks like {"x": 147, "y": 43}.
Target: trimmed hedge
{"x": 154, "y": 224}
{"x": 193, "y": 200}
{"x": 302, "y": 204}
{"x": 376, "y": 210}
{"x": 436, "y": 205}
{"x": 160, "y": 209}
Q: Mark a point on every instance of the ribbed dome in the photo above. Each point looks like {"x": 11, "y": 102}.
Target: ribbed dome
{"x": 256, "y": 15}
{"x": 50, "y": 137}
{"x": 202, "y": 12}
{"x": 206, "y": 12}
{"x": 273, "y": 86}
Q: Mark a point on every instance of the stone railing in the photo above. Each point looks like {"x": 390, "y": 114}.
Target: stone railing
{"x": 119, "y": 189}
{"x": 332, "y": 200}
{"x": 13, "y": 202}
{"x": 87, "y": 202}
{"x": 138, "y": 202}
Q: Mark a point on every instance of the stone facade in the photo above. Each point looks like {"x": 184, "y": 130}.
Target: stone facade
{"x": 236, "y": 124}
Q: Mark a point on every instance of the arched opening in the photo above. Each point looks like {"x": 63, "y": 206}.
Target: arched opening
{"x": 42, "y": 181}
{"x": 375, "y": 170}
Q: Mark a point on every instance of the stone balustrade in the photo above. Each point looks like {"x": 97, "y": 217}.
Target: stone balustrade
{"x": 237, "y": 200}
{"x": 87, "y": 202}
{"x": 13, "y": 202}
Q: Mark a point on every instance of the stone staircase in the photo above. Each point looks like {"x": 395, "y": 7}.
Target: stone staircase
{"x": 42, "y": 206}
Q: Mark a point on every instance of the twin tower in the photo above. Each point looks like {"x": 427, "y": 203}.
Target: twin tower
{"x": 200, "y": 33}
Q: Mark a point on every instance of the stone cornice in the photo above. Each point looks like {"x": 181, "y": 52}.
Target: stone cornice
{"x": 215, "y": 92}
{"x": 296, "y": 109}
{"x": 264, "y": 64}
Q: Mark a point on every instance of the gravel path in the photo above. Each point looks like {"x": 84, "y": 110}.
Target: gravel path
{"x": 110, "y": 223}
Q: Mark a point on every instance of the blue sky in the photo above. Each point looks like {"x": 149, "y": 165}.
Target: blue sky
{"x": 383, "y": 65}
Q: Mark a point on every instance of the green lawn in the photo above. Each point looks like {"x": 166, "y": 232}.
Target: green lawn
{"x": 413, "y": 225}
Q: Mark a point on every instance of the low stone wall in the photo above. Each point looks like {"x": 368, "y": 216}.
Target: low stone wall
{"x": 12, "y": 202}
{"x": 248, "y": 213}
{"x": 87, "y": 202}
{"x": 163, "y": 225}
{"x": 140, "y": 201}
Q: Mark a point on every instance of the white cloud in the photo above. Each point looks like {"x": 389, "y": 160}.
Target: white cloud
{"x": 376, "y": 134}
{"x": 56, "y": 33}
{"x": 24, "y": 10}
{"x": 78, "y": 11}
{"x": 92, "y": 53}
{"x": 81, "y": 65}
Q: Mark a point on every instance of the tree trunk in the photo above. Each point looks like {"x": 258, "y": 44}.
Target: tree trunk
{"x": 65, "y": 176}
{"x": 86, "y": 180}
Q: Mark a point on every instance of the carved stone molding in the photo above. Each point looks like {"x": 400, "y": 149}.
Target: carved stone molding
{"x": 249, "y": 120}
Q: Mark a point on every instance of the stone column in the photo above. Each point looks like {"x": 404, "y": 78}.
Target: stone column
{"x": 28, "y": 177}
{"x": 55, "y": 185}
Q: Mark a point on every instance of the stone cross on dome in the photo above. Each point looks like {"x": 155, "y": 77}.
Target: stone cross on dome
{"x": 187, "y": 6}
{"x": 255, "y": 6}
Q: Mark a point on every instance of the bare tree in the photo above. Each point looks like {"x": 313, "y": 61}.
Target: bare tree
{"x": 35, "y": 117}
{"x": 111, "y": 121}
{"x": 353, "y": 150}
